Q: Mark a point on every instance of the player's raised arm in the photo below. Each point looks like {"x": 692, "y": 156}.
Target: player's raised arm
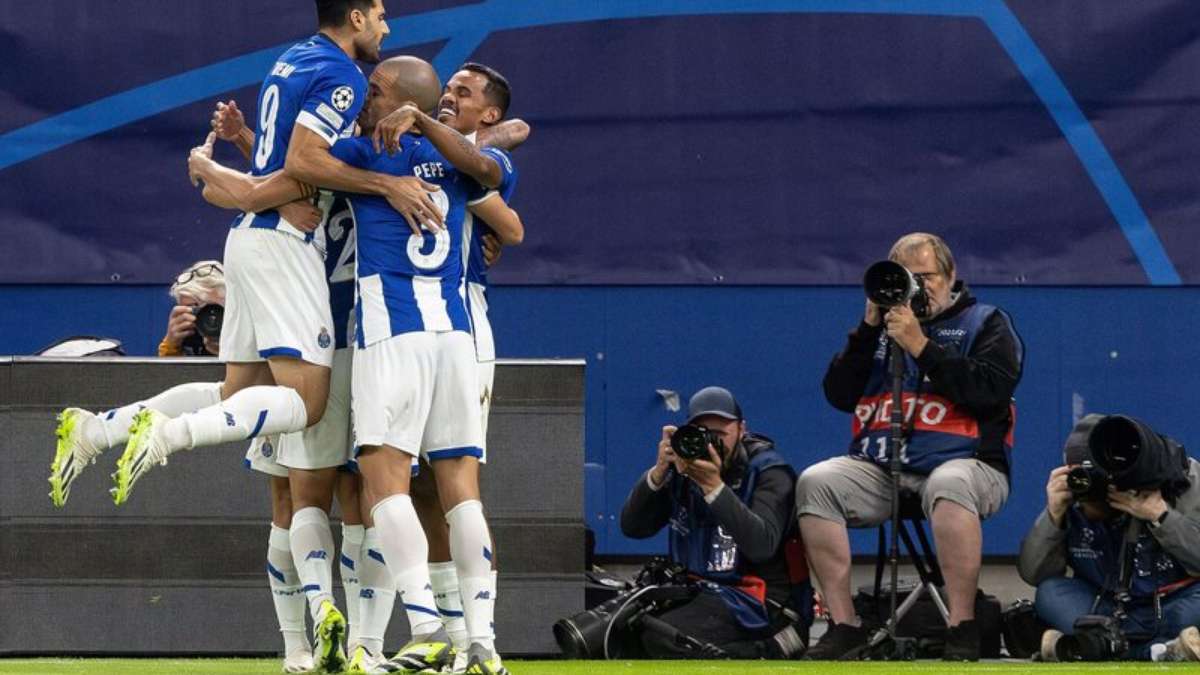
{"x": 309, "y": 161}
{"x": 504, "y": 221}
{"x": 229, "y": 124}
{"x": 455, "y": 147}
{"x": 507, "y": 135}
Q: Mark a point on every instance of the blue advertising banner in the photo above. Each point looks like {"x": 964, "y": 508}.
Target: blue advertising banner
{"x": 674, "y": 142}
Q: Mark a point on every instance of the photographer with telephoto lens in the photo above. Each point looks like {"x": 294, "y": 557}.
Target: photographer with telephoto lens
{"x": 194, "y": 325}
{"x": 726, "y": 495}
{"x": 1123, "y": 513}
{"x": 962, "y": 362}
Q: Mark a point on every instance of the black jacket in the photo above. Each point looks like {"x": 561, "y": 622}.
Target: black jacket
{"x": 983, "y": 382}
{"x": 759, "y": 529}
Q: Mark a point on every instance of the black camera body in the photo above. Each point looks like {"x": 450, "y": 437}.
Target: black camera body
{"x": 1088, "y": 482}
{"x": 209, "y": 319}
{"x": 691, "y": 441}
{"x": 1096, "y": 638}
{"x": 889, "y": 284}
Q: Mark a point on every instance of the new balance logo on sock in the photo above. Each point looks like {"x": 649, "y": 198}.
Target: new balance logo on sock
{"x": 483, "y": 595}
{"x": 229, "y": 420}
{"x": 319, "y": 555}
{"x": 368, "y": 593}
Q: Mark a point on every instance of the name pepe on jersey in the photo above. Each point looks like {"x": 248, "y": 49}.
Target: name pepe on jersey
{"x": 409, "y": 283}
{"x": 314, "y": 84}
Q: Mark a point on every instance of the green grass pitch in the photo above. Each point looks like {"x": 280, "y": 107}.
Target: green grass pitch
{"x": 271, "y": 667}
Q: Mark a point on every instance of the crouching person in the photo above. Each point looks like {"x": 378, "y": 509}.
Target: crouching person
{"x": 1123, "y": 514}
{"x": 727, "y": 497}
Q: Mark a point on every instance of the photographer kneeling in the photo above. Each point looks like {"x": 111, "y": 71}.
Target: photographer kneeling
{"x": 727, "y": 496}
{"x": 1124, "y": 515}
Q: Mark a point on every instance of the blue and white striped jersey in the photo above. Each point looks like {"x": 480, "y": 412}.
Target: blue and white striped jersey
{"x": 408, "y": 283}
{"x": 476, "y": 228}
{"x": 313, "y": 84}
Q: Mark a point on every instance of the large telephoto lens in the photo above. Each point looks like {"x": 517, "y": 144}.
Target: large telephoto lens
{"x": 1116, "y": 442}
{"x": 888, "y": 284}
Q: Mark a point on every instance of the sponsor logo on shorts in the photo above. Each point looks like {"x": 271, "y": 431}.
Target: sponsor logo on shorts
{"x": 323, "y": 338}
{"x": 267, "y": 450}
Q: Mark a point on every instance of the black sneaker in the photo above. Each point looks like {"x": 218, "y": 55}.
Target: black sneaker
{"x": 962, "y": 642}
{"x": 839, "y": 639}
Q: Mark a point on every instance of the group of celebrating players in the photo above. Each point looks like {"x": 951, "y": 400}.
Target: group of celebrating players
{"x": 380, "y": 240}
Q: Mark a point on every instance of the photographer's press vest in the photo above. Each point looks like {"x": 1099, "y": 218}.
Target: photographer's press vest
{"x": 701, "y": 545}
{"x": 937, "y": 429}
{"x": 1094, "y": 548}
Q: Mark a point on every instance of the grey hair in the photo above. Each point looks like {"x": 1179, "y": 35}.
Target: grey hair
{"x": 910, "y": 243}
{"x": 206, "y": 288}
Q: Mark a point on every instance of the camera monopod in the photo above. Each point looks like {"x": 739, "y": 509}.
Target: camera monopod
{"x": 889, "y": 284}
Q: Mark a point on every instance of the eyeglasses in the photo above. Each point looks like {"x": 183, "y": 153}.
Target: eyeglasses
{"x": 198, "y": 273}
{"x": 926, "y": 276}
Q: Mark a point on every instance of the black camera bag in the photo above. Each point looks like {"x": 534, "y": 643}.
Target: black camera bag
{"x": 924, "y": 622}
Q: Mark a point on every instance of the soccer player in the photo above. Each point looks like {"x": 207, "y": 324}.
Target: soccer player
{"x": 415, "y": 382}
{"x": 475, "y": 99}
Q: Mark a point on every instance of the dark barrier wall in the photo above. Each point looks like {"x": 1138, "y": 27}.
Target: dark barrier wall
{"x": 707, "y": 141}
{"x": 181, "y": 566}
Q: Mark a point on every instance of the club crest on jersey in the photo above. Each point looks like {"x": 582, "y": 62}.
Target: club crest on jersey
{"x": 342, "y": 98}
{"x": 323, "y": 338}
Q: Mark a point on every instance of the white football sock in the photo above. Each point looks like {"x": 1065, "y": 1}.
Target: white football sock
{"x": 285, "y": 591}
{"x": 377, "y": 595}
{"x": 312, "y": 550}
{"x": 113, "y": 429}
{"x": 444, "y": 577}
{"x": 406, "y": 550}
{"x": 471, "y": 549}
{"x": 348, "y": 570}
{"x": 251, "y": 412}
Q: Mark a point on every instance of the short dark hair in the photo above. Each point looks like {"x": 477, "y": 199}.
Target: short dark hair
{"x": 334, "y": 13}
{"x": 497, "y": 90}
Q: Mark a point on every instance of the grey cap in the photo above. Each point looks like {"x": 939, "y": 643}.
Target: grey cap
{"x": 713, "y": 401}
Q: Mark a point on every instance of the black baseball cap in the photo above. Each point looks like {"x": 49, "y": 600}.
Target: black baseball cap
{"x": 713, "y": 401}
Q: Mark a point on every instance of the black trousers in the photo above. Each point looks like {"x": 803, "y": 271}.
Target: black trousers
{"x": 706, "y": 618}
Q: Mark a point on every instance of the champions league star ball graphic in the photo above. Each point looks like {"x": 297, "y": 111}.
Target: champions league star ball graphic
{"x": 342, "y": 98}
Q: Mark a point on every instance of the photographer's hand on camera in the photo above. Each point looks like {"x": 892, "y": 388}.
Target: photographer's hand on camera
{"x": 705, "y": 473}
{"x": 872, "y": 316}
{"x": 180, "y": 324}
{"x": 666, "y": 458}
{"x": 904, "y": 327}
{"x": 1147, "y": 505}
{"x": 1058, "y": 496}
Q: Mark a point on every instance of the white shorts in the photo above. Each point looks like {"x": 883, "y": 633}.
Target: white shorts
{"x": 326, "y": 444}
{"x": 418, "y": 392}
{"x": 485, "y": 353}
{"x": 276, "y": 299}
{"x": 487, "y": 373}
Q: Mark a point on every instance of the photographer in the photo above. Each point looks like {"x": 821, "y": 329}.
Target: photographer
{"x": 1130, "y": 538}
{"x": 198, "y": 291}
{"x": 962, "y": 364}
{"x": 728, "y": 502}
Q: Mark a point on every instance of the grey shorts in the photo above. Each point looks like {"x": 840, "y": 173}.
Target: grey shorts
{"x": 859, "y": 494}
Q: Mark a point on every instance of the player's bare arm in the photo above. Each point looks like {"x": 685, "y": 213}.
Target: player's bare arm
{"x": 455, "y": 147}
{"x": 308, "y": 161}
{"x": 229, "y": 189}
{"x": 507, "y": 135}
{"x": 504, "y": 221}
